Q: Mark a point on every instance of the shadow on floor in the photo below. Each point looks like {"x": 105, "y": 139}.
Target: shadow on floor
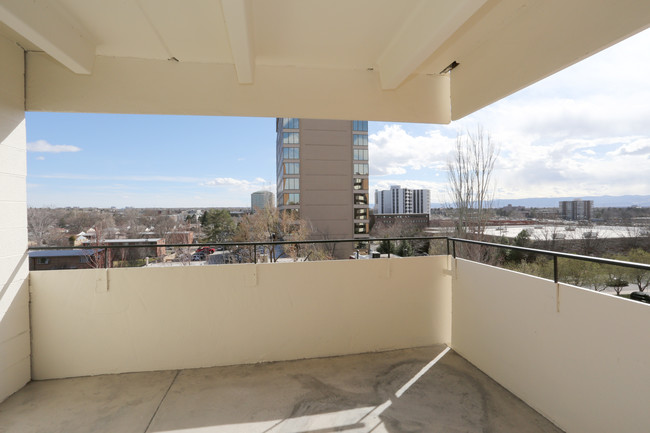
{"x": 429, "y": 389}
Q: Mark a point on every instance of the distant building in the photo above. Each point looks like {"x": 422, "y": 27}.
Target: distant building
{"x": 46, "y": 260}
{"x": 398, "y": 200}
{"x": 576, "y": 210}
{"x": 179, "y": 237}
{"x": 147, "y": 248}
{"x": 262, "y": 199}
{"x": 415, "y": 220}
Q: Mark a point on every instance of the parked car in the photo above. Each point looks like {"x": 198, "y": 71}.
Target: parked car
{"x": 205, "y": 250}
{"x": 640, "y": 296}
{"x": 198, "y": 257}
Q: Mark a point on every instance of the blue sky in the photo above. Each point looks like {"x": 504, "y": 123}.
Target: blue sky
{"x": 583, "y": 131}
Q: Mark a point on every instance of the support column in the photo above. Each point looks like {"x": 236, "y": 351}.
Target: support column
{"x": 15, "y": 362}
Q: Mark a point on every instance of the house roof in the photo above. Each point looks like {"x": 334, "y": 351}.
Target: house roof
{"x": 340, "y": 59}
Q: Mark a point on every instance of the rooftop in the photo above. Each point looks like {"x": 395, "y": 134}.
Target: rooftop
{"x": 61, "y": 253}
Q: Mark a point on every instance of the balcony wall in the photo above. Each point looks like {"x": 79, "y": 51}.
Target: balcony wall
{"x": 88, "y": 322}
{"x": 14, "y": 296}
{"x": 578, "y": 357}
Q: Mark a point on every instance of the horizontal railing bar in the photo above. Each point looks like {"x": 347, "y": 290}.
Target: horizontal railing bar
{"x": 600, "y": 260}
{"x": 256, "y": 243}
{"x": 453, "y": 240}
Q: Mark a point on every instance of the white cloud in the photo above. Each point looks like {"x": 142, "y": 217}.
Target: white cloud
{"x": 393, "y": 151}
{"x": 227, "y": 181}
{"x": 583, "y": 131}
{"x": 140, "y": 178}
{"x": 242, "y": 185}
{"x": 43, "y": 146}
{"x": 636, "y": 148}
{"x": 574, "y": 168}
{"x": 542, "y": 153}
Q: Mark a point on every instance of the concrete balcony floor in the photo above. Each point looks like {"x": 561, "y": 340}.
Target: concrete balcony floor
{"x": 429, "y": 389}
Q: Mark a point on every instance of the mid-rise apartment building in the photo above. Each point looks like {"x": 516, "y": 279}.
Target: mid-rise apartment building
{"x": 576, "y": 209}
{"x": 322, "y": 173}
{"x": 397, "y": 200}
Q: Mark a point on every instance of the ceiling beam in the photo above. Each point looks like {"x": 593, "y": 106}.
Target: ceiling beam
{"x": 131, "y": 85}
{"x": 423, "y": 32}
{"x": 50, "y": 29}
{"x": 237, "y": 15}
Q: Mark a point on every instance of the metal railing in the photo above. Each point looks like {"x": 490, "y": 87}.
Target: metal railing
{"x": 250, "y": 245}
{"x": 450, "y": 244}
{"x": 553, "y": 254}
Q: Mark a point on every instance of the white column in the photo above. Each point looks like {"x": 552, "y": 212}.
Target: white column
{"x": 14, "y": 291}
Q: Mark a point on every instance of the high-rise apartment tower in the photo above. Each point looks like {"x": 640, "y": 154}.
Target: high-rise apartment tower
{"x": 262, "y": 199}
{"x": 322, "y": 172}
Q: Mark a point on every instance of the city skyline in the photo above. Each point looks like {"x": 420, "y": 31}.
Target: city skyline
{"x": 581, "y": 132}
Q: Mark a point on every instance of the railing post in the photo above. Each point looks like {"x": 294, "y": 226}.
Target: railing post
{"x": 555, "y": 269}
{"x": 448, "y": 248}
{"x": 106, "y": 258}
{"x": 453, "y": 244}
{"x": 255, "y": 254}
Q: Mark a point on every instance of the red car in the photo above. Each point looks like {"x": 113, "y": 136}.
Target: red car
{"x": 205, "y": 250}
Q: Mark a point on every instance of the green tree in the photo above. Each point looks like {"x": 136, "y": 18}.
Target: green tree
{"x": 521, "y": 240}
{"x": 386, "y": 247}
{"x": 541, "y": 267}
{"x": 584, "y": 274}
{"x": 616, "y": 280}
{"x": 217, "y": 225}
{"x": 638, "y": 276}
{"x": 405, "y": 249}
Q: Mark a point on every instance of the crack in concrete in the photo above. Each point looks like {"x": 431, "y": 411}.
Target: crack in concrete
{"x": 161, "y": 401}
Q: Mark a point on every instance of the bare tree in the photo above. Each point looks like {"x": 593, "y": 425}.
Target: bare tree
{"x": 40, "y": 221}
{"x": 132, "y": 223}
{"x": 78, "y": 220}
{"x": 550, "y": 238}
{"x": 293, "y": 228}
{"x": 95, "y": 257}
{"x": 589, "y": 242}
{"x": 183, "y": 255}
{"x": 269, "y": 224}
{"x": 262, "y": 226}
{"x": 470, "y": 185}
{"x": 163, "y": 226}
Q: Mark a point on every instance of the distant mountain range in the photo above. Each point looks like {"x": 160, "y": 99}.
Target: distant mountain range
{"x": 601, "y": 201}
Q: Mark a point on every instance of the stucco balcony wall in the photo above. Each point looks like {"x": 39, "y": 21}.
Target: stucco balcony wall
{"x": 97, "y": 321}
{"x": 578, "y": 357}
{"x": 14, "y": 270}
